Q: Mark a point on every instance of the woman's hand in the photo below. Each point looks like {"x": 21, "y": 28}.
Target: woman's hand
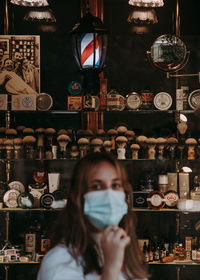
{"x": 113, "y": 243}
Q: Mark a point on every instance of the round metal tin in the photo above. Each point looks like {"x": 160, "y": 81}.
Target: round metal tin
{"x": 74, "y": 88}
{"x": 171, "y": 199}
{"x": 44, "y": 102}
{"x": 194, "y": 99}
{"x": 133, "y": 101}
{"x": 25, "y": 200}
{"x": 10, "y": 198}
{"x": 46, "y": 200}
{"x": 162, "y": 101}
{"x": 156, "y": 200}
{"x": 16, "y": 185}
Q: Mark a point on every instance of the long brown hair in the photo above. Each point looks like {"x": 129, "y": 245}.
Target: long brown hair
{"x": 74, "y": 230}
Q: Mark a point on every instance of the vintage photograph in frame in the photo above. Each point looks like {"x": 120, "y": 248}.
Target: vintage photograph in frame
{"x": 19, "y": 64}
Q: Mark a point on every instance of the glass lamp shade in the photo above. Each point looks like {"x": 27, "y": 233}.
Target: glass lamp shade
{"x": 143, "y": 16}
{"x": 146, "y": 3}
{"x": 30, "y": 3}
{"x": 89, "y": 38}
{"x": 40, "y": 14}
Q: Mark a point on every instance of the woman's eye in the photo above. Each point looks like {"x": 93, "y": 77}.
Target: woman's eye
{"x": 116, "y": 186}
{"x": 96, "y": 187}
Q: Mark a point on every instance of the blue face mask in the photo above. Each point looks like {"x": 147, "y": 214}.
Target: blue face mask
{"x": 105, "y": 207}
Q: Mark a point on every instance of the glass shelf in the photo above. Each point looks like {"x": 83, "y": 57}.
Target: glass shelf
{"x": 29, "y": 209}
{"x": 12, "y": 263}
{"x": 174, "y": 263}
{"x": 164, "y": 210}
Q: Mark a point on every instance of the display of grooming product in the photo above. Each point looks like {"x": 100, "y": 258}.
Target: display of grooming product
{"x": 140, "y": 199}
{"x": 171, "y": 199}
{"x": 25, "y": 200}
{"x": 23, "y": 102}
{"x": 172, "y": 181}
{"x": 156, "y": 200}
{"x": 40, "y": 175}
{"x": 133, "y": 101}
{"x": 16, "y": 185}
{"x": 3, "y": 102}
{"x": 44, "y": 102}
{"x": 46, "y": 200}
{"x": 53, "y": 181}
{"x": 184, "y": 185}
{"x": 10, "y": 198}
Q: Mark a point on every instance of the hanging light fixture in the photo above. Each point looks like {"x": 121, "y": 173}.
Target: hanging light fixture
{"x": 39, "y": 11}
{"x": 30, "y": 3}
{"x": 40, "y": 14}
{"x": 141, "y": 19}
{"x": 89, "y": 38}
{"x": 146, "y": 3}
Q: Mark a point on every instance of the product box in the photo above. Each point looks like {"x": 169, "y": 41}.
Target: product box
{"x": 23, "y": 102}
{"x": 74, "y": 103}
{"x": 3, "y": 102}
{"x": 139, "y": 199}
{"x": 103, "y": 94}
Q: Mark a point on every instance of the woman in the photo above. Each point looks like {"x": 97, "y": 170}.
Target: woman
{"x": 94, "y": 237}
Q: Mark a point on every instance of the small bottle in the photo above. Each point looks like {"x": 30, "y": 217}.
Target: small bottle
{"x": 162, "y": 251}
{"x": 30, "y": 240}
{"x": 194, "y": 249}
{"x": 150, "y": 251}
{"x": 195, "y": 192}
{"x": 44, "y": 241}
{"x": 180, "y": 253}
{"x": 145, "y": 253}
{"x": 156, "y": 253}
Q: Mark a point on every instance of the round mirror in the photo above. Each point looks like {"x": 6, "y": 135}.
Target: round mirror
{"x": 168, "y": 53}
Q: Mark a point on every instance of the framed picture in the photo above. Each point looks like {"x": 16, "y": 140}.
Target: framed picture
{"x": 19, "y": 64}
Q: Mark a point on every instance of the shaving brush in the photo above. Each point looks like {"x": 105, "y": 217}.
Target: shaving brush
{"x": 9, "y": 148}
{"x": 18, "y": 147}
{"x": 151, "y": 143}
{"x": 83, "y": 146}
{"x": 96, "y": 144}
{"x": 112, "y": 134}
{"x": 134, "y": 149}
{"x": 63, "y": 141}
{"x": 2, "y": 132}
{"x": 39, "y": 132}
{"x": 11, "y": 133}
{"x": 107, "y": 144}
{"x": 191, "y": 144}
{"x": 121, "y": 144}
{"x": 50, "y": 134}
{"x": 29, "y": 143}
{"x": 28, "y": 131}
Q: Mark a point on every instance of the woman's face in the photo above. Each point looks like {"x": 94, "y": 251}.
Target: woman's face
{"x": 9, "y": 65}
{"x": 104, "y": 176}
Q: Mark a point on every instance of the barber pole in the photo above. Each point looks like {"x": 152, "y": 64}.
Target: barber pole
{"x": 90, "y": 50}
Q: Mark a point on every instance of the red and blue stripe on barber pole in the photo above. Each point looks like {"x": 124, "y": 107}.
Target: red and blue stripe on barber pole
{"x": 87, "y": 50}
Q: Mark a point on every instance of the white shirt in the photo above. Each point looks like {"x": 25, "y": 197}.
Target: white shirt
{"x": 58, "y": 264}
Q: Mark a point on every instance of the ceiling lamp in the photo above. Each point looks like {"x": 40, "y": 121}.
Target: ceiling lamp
{"x": 146, "y": 3}
{"x": 40, "y": 14}
{"x": 143, "y": 16}
{"x": 30, "y": 3}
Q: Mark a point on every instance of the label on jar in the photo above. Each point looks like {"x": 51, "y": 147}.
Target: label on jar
{"x": 133, "y": 101}
{"x": 156, "y": 200}
{"x": 171, "y": 199}
{"x": 115, "y": 102}
{"x": 30, "y": 242}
